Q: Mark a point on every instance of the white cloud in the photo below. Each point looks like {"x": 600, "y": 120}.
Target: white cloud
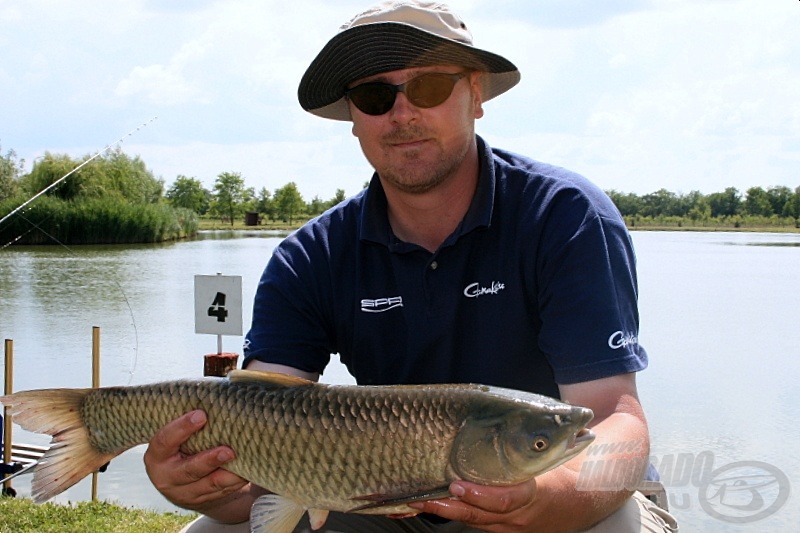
{"x": 638, "y": 95}
{"x": 160, "y": 85}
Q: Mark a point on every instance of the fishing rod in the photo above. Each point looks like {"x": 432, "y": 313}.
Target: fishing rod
{"x": 18, "y": 209}
{"x": 19, "y": 472}
{"x": 74, "y": 170}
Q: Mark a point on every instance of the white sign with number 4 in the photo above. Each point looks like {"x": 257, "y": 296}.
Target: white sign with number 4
{"x": 218, "y": 305}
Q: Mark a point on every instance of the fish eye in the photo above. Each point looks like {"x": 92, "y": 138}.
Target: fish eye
{"x": 540, "y": 444}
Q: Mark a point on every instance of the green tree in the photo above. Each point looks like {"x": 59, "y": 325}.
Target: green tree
{"x": 289, "y": 202}
{"x": 756, "y": 202}
{"x": 10, "y": 171}
{"x": 265, "y": 204}
{"x": 189, "y": 193}
{"x": 726, "y": 203}
{"x": 51, "y": 168}
{"x": 249, "y": 200}
{"x": 118, "y": 174}
{"x": 114, "y": 175}
{"x": 316, "y": 206}
{"x": 628, "y": 204}
{"x": 698, "y": 208}
{"x": 337, "y": 198}
{"x": 792, "y": 207}
{"x": 230, "y": 195}
{"x": 778, "y": 198}
{"x": 660, "y": 203}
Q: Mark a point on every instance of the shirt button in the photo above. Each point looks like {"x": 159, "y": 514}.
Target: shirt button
{"x": 434, "y": 265}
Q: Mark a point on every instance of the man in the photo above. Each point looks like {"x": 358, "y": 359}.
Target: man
{"x": 459, "y": 263}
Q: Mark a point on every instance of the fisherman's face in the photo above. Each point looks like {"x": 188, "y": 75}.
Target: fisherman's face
{"x": 413, "y": 148}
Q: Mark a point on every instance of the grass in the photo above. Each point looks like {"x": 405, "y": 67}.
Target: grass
{"x": 738, "y": 224}
{"x": 267, "y": 225}
{"x": 96, "y": 221}
{"x": 21, "y": 515}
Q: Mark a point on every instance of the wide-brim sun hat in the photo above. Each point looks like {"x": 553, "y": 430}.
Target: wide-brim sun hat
{"x": 396, "y": 35}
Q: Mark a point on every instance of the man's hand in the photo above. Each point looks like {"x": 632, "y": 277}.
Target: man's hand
{"x": 492, "y": 509}
{"x": 193, "y": 482}
{"x": 553, "y": 501}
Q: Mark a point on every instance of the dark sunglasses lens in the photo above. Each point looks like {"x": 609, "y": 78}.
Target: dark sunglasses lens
{"x": 373, "y": 98}
{"x": 430, "y": 90}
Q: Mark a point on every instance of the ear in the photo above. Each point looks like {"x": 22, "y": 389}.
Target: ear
{"x": 476, "y": 88}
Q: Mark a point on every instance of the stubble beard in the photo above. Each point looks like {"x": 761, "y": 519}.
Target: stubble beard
{"x": 411, "y": 174}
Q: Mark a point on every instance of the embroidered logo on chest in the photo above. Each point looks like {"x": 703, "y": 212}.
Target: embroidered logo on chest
{"x": 474, "y": 290}
{"x": 381, "y": 305}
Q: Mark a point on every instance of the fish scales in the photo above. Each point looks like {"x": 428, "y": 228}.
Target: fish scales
{"x": 317, "y": 447}
{"x": 353, "y": 455}
{"x": 278, "y": 433}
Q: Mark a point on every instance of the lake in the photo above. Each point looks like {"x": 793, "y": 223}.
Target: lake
{"x": 720, "y": 319}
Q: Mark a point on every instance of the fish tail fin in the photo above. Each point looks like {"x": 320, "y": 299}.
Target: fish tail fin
{"x": 71, "y": 456}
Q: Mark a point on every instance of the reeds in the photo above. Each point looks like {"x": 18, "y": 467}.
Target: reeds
{"x": 104, "y": 220}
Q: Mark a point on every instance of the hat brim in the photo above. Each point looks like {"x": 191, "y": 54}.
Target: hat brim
{"x": 371, "y": 49}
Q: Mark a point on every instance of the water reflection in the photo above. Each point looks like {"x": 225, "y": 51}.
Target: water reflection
{"x": 241, "y": 234}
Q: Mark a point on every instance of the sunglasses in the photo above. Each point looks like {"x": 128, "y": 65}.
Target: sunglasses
{"x": 425, "y": 91}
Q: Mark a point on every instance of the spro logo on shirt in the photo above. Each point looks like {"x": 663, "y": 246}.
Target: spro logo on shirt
{"x": 474, "y": 290}
{"x": 381, "y": 305}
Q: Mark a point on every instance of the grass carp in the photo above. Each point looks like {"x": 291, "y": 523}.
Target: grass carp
{"x": 317, "y": 448}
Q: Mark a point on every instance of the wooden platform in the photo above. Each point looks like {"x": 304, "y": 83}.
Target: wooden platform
{"x": 26, "y": 454}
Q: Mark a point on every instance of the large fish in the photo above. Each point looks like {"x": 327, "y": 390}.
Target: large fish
{"x": 317, "y": 448}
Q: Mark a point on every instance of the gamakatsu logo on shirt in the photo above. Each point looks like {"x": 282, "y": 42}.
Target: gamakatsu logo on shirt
{"x": 381, "y": 305}
{"x": 473, "y": 290}
{"x": 620, "y": 339}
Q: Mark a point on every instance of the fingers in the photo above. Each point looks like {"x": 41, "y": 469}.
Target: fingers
{"x": 189, "y": 481}
{"x": 484, "y": 507}
{"x": 499, "y": 500}
{"x": 171, "y": 437}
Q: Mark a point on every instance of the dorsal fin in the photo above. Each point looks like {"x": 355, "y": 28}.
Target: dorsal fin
{"x": 267, "y": 378}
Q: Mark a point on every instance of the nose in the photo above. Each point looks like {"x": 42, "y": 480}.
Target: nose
{"x": 403, "y": 111}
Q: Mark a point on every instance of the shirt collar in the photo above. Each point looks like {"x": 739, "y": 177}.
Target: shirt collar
{"x": 375, "y": 220}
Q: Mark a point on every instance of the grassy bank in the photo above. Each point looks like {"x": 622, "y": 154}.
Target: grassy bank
{"x": 21, "y": 515}
{"x": 638, "y": 224}
{"x": 266, "y": 225}
{"x": 734, "y": 223}
{"x": 712, "y": 229}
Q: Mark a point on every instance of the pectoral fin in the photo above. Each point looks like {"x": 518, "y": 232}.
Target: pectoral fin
{"x": 317, "y": 518}
{"x": 274, "y": 514}
{"x": 388, "y": 500}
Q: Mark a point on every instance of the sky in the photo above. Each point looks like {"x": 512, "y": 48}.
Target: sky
{"x": 637, "y": 95}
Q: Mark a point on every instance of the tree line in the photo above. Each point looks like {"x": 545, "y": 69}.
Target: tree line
{"x": 117, "y": 179}
{"x": 124, "y": 193}
{"x": 230, "y": 199}
{"x": 773, "y": 206}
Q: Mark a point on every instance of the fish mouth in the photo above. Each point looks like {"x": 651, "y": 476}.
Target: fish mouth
{"x": 579, "y": 440}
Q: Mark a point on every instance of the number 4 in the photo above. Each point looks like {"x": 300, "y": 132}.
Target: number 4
{"x": 217, "y": 308}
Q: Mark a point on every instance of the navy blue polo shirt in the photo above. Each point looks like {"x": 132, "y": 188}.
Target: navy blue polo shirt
{"x": 536, "y": 287}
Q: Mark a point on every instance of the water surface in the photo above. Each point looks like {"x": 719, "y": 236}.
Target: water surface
{"x": 719, "y": 318}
